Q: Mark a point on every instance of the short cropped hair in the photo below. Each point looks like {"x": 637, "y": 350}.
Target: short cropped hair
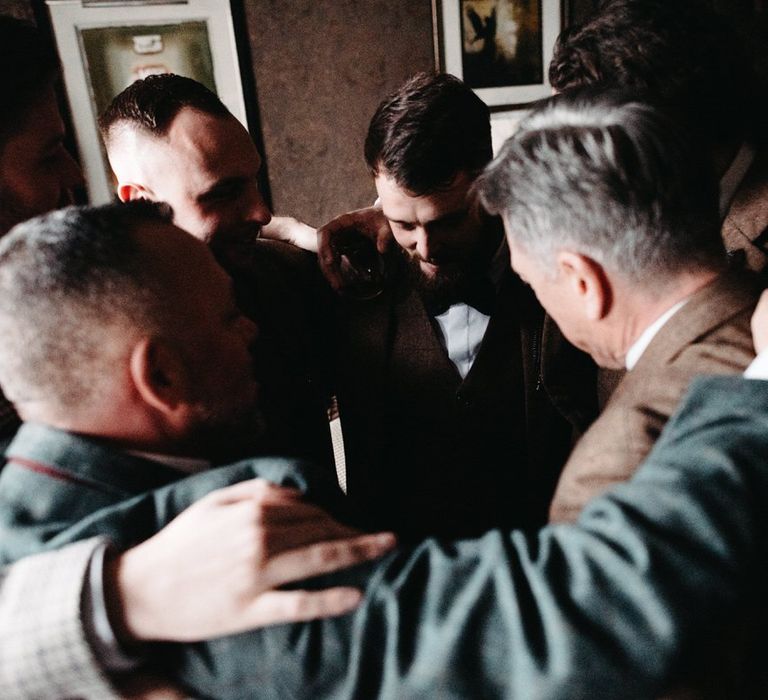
{"x": 69, "y": 280}
{"x": 427, "y": 131}
{"x": 682, "y": 54}
{"x": 151, "y": 104}
{"x": 28, "y": 64}
{"x": 613, "y": 179}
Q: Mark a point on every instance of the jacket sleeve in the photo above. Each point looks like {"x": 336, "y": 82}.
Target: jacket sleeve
{"x": 624, "y": 603}
{"x": 44, "y": 652}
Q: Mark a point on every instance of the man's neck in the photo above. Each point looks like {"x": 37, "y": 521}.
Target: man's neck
{"x": 118, "y": 433}
{"x": 640, "y": 312}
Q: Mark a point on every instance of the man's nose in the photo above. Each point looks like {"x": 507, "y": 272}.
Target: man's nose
{"x": 424, "y": 244}
{"x": 249, "y": 330}
{"x": 258, "y": 211}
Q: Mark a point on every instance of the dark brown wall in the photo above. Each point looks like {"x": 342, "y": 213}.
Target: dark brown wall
{"x": 16, "y": 8}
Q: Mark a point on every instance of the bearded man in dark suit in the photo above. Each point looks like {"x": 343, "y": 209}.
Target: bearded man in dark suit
{"x": 459, "y": 399}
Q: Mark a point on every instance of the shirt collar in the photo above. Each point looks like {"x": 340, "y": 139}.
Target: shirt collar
{"x": 639, "y": 346}
{"x": 187, "y": 465}
{"x": 733, "y": 177}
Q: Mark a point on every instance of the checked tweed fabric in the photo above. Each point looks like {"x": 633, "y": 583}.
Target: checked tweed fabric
{"x": 43, "y": 649}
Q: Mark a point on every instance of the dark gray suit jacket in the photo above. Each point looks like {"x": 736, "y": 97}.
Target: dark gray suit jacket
{"x": 634, "y": 599}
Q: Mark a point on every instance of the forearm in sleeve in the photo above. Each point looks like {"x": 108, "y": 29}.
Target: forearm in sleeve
{"x": 44, "y": 644}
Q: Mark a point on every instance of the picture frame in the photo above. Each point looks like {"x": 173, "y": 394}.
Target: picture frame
{"x": 106, "y": 44}
{"x": 500, "y": 48}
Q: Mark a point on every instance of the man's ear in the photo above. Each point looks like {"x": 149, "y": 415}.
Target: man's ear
{"x": 587, "y": 282}
{"x": 128, "y": 191}
{"x": 160, "y": 378}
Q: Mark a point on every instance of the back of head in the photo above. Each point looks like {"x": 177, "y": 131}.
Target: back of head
{"x": 73, "y": 284}
{"x": 427, "y": 131}
{"x": 28, "y": 65}
{"x": 151, "y": 104}
{"x": 612, "y": 179}
{"x": 682, "y": 54}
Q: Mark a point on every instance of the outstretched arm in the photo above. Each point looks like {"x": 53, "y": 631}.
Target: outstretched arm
{"x": 216, "y": 569}
{"x": 623, "y": 603}
{"x": 293, "y": 231}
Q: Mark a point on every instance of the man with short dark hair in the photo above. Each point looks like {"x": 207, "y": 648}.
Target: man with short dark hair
{"x": 157, "y": 382}
{"x": 458, "y": 399}
{"x": 611, "y": 216}
{"x": 688, "y": 58}
{"x": 170, "y": 139}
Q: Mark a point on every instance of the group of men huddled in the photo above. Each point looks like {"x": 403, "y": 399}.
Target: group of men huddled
{"x": 179, "y": 518}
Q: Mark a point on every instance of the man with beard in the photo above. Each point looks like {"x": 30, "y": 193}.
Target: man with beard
{"x": 454, "y": 391}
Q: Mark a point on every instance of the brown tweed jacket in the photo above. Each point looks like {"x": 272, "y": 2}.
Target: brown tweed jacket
{"x": 745, "y": 227}
{"x": 709, "y": 335}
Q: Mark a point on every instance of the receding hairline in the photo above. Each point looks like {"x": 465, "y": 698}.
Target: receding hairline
{"x": 125, "y": 124}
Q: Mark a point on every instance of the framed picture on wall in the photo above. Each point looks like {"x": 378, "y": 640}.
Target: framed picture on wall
{"x": 500, "y": 48}
{"x": 105, "y": 46}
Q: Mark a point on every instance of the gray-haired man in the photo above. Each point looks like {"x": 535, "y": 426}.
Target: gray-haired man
{"x": 612, "y": 219}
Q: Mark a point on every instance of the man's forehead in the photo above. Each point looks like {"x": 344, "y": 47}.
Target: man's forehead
{"x": 208, "y": 137}
{"x": 210, "y": 148}
{"x": 400, "y": 204}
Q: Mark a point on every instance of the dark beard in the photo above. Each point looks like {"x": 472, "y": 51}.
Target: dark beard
{"x": 447, "y": 287}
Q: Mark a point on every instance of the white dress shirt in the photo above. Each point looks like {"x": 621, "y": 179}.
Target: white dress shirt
{"x": 462, "y": 327}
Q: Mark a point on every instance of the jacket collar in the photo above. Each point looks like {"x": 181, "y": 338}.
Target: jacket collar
{"x": 88, "y": 460}
{"x": 711, "y": 306}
